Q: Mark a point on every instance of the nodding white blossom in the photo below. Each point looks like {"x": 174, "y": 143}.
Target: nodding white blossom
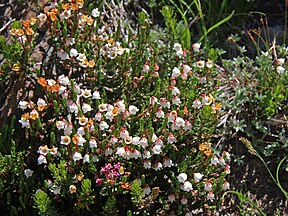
{"x": 177, "y": 47}
{"x": 62, "y": 54}
{"x": 113, "y": 140}
{"x": 187, "y": 186}
{"x": 72, "y": 189}
{"x": 210, "y": 196}
{"x": 147, "y": 164}
{"x": 157, "y": 149}
{"x": 222, "y": 161}
{"x": 95, "y": 13}
{"x": 63, "y": 80}
{"x": 214, "y": 160}
{"x": 154, "y": 137}
{"x": 136, "y": 140}
{"x": 55, "y": 189}
{"x": 73, "y": 108}
{"x": 81, "y": 57}
{"x": 42, "y": 17}
{"x": 65, "y": 14}
{"x": 175, "y": 72}
{"x": 69, "y": 41}
{"x": 226, "y": 156}
{"x": 28, "y": 173}
{"x": 86, "y": 158}
{"x": 81, "y": 140}
{"x": 200, "y": 64}
{"x": 225, "y": 185}
{"x": 158, "y": 166}
{"x": 184, "y": 200}
{"x": 25, "y": 122}
{"x": 171, "y": 138}
{"x": 121, "y": 151}
{"x": 60, "y": 124}
{"x": 168, "y": 162}
{"x": 207, "y": 186}
{"x": 171, "y": 198}
{"x": 182, "y": 177}
{"x": 81, "y": 131}
{"x": 98, "y": 116}
{"x": 83, "y": 120}
{"x": 96, "y": 95}
{"x": 176, "y": 100}
{"x": 146, "y": 154}
{"x": 198, "y": 177}
{"x": 164, "y": 103}
{"x": 65, "y": 140}
{"x": 160, "y": 113}
{"x": 186, "y": 69}
{"x": 197, "y": 104}
{"x": 147, "y": 190}
{"x": 144, "y": 142}
{"x": 175, "y": 90}
{"x": 227, "y": 169}
{"x": 102, "y": 107}
{"x": 43, "y": 149}
{"x": 103, "y": 125}
{"x": 133, "y": 109}
{"x": 68, "y": 129}
{"x": 93, "y": 143}
{"x": 123, "y": 133}
{"x": 77, "y": 156}
{"x": 86, "y": 108}
{"x": 280, "y": 61}
{"x": 73, "y": 52}
{"x": 280, "y": 69}
{"x": 23, "y": 105}
{"x": 196, "y": 47}
{"x": 187, "y": 126}
{"x": 86, "y": 93}
{"x": 42, "y": 159}
{"x": 172, "y": 116}
{"x": 153, "y": 100}
{"x": 209, "y": 63}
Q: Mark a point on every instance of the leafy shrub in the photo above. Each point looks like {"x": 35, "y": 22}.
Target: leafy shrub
{"x": 120, "y": 121}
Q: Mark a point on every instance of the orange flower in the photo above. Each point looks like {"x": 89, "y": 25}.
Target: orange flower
{"x": 19, "y": 32}
{"x": 115, "y": 111}
{"x": 13, "y": 31}
{"x": 74, "y": 7}
{"x": 202, "y": 147}
{"x": 34, "y": 114}
{"x": 42, "y": 81}
{"x": 33, "y": 20}
{"x": 126, "y": 185}
{"x": 90, "y": 21}
{"x": 65, "y": 6}
{"x": 41, "y": 108}
{"x": 54, "y": 88}
{"x": 84, "y": 18}
{"x": 91, "y": 64}
{"x": 29, "y": 31}
{"x": 216, "y": 107}
{"x": 90, "y": 122}
{"x": 26, "y": 23}
{"x": 25, "y": 116}
{"x": 75, "y": 139}
{"x": 207, "y": 152}
{"x": 80, "y": 3}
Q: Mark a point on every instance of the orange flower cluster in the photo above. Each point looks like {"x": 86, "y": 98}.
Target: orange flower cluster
{"x": 51, "y": 88}
{"x": 205, "y": 147}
